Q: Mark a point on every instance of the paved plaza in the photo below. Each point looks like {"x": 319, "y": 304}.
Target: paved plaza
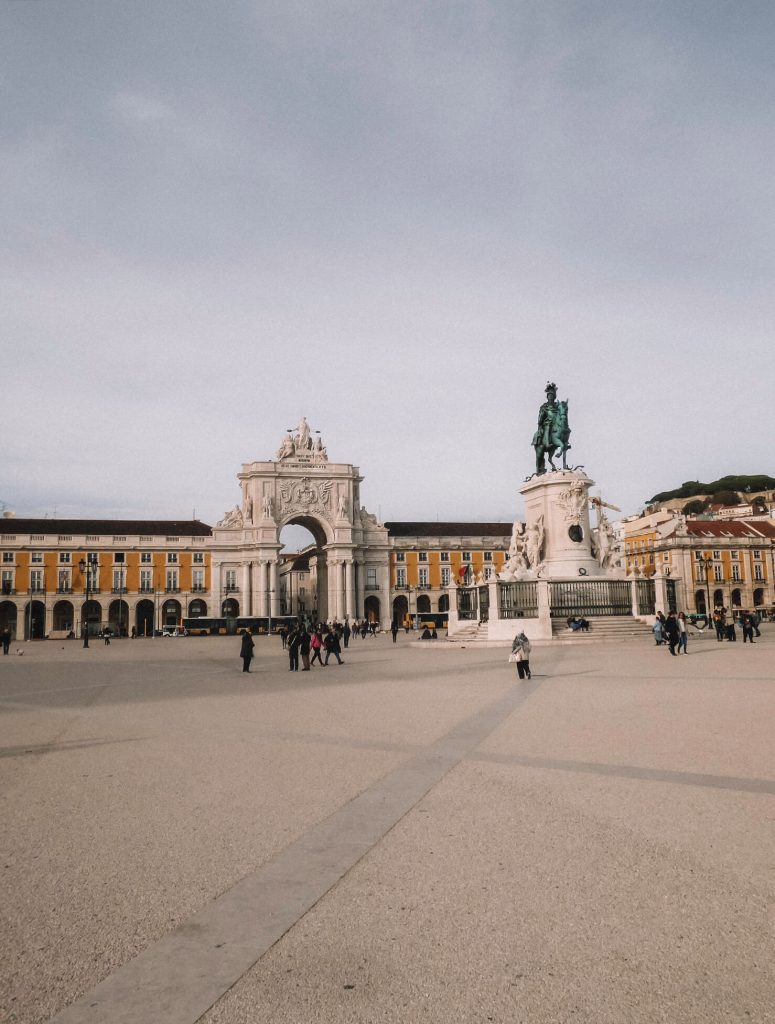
{"x": 412, "y": 836}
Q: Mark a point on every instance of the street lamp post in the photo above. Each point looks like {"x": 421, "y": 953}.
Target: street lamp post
{"x": 87, "y": 566}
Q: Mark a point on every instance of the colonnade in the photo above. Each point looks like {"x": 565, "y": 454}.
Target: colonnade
{"x": 341, "y": 586}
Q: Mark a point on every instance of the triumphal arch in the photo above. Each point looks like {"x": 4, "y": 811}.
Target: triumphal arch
{"x": 301, "y": 486}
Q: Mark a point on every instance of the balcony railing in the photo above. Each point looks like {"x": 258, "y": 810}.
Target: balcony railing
{"x": 423, "y": 586}
{"x": 146, "y": 588}
{"x": 64, "y": 590}
{"x": 9, "y": 590}
{"x": 172, "y": 590}
{"x": 231, "y": 588}
{"x": 198, "y": 588}
{"x": 371, "y": 586}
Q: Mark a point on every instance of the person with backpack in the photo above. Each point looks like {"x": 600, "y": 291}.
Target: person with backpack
{"x": 333, "y": 647}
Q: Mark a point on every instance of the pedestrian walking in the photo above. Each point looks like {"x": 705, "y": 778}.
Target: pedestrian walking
{"x": 683, "y": 633}
{"x": 657, "y": 630}
{"x": 394, "y": 629}
{"x": 672, "y": 634}
{"x": 755, "y": 620}
{"x": 333, "y": 646}
{"x": 304, "y": 645}
{"x": 748, "y": 628}
{"x": 346, "y": 633}
{"x": 720, "y": 625}
{"x": 316, "y": 643}
{"x": 520, "y": 652}
{"x": 5, "y": 636}
{"x": 106, "y": 637}
{"x": 294, "y": 638}
{"x": 246, "y": 650}
{"x": 364, "y": 629}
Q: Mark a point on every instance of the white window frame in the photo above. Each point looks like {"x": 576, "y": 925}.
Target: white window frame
{"x": 422, "y": 576}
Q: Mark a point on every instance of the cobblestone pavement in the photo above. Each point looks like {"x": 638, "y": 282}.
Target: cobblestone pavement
{"x": 411, "y": 836}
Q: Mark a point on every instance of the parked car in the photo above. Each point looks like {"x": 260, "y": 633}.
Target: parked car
{"x": 174, "y": 631}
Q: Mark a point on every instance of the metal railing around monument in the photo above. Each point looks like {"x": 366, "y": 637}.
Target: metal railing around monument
{"x": 592, "y": 597}
{"x": 645, "y": 596}
{"x": 517, "y": 600}
{"x": 467, "y": 603}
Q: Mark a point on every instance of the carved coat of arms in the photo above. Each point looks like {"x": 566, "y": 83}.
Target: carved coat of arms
{"x": 306, "y": 496}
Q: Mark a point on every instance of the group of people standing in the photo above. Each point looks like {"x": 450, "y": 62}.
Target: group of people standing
{"x": 724, "y": 624}
{"x": 672, "y": 630}
{"x": 308, "y": 644}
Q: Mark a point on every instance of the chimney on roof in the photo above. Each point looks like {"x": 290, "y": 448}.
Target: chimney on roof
{"x": 8, "y": 514}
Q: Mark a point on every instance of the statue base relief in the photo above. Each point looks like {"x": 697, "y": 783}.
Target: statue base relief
{"x": 557, "y": 513}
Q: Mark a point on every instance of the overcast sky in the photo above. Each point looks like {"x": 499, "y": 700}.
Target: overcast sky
{"x": 398, "y": 219}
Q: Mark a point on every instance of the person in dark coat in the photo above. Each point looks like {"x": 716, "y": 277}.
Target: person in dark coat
{"x": 333, "y": 646}
{"x": 672, "y": 632}
{"x": 346, "y": 633}
{"x": 294, "y": 639}
{"x": 304, "y": 645}
{"x": 246, "y": 650}
{"x": 6, "y": 638}
{"x": 394, "y": 629}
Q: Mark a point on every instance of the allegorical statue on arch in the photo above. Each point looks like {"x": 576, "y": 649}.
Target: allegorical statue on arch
{"x": 301, "y": 446}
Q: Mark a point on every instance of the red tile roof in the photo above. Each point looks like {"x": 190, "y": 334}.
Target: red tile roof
{"x": 759, "y": 529}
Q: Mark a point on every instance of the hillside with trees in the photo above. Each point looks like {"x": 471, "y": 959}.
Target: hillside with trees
{"x": 719, "y": 490}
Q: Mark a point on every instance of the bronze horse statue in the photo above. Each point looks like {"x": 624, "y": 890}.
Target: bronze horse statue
{"x": 553, "y": 435}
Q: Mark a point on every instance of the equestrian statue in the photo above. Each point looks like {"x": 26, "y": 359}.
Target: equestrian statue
{"x": 553, "y": 433}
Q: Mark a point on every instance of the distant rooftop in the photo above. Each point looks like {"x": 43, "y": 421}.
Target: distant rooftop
{"x": 449, "y": 529}
{"x": 97, "y": 527}
{"x": 730, "y": 528}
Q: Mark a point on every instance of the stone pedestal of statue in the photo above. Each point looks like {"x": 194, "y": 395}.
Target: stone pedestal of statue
{"x": 557, "y": 514}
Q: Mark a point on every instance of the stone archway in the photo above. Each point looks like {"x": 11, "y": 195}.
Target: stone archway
{"x": 63, "y": 616}
{"x": 144, "y": 614}
{"x": 400, "y": 609}
{"x": 317, "y": 600}
{"x": 371, "y": 608}
{"x": 171, "y": 613}
{"x": 34, "y": 620}
{"x": 91, "y": 617}
{"x": 8, "y": 617}
{"x": 118, "y": 617}
{"x": 301, "y": 486}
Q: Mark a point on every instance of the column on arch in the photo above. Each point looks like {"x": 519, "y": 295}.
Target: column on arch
{"x": 247, "y": 590}
{"x": 360, "y": 582}
{"x": 349, "y": 585}
{"x": 263, "y": 587}
{"x": 274, "y": 586}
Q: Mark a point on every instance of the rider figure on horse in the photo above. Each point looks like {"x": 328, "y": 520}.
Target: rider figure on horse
{"x": 553, "y": 431}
